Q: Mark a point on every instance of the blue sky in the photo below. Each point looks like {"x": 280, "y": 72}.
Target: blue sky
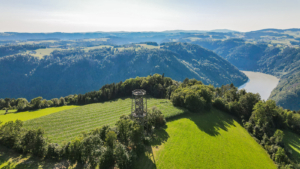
{"x": 142, "y": 15}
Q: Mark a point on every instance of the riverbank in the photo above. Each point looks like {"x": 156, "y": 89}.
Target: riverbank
{"x": 260, "y": 83}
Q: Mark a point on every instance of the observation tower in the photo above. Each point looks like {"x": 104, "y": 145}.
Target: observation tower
{"x": 139, "y": 105}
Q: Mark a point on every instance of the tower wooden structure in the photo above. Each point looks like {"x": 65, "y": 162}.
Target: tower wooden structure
{"x": 139, "y": 105}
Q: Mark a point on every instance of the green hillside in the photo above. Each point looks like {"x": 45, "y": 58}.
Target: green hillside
{"x": 287, "y": 66}
{"x": 27, "y": 115}
{"x": 205, "y": 64}
{"x": 282, "y": 62}
{"x": 80, "y": 70}
{"x": 66, "y": 125}
{"x": 206, "y": 140}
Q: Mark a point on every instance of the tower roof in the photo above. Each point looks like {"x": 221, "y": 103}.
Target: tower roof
{"x": 139, "y": 92}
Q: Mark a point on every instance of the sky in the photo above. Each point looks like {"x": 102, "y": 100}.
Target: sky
{"x": 146, "y": 15}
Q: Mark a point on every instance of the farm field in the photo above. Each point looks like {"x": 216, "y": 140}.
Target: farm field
{"x": 37, "y": 42}
{"x": 27, "y": 115}
{"x": 292, "y": 141}
{"x": 205, "y": 140}
{"x": 40, "y": 53}
{"x": 97, "y": 39}
{"x": 86, "y": 49}
{"x": 68, "y": 124}
{"x": 149, "y": 46}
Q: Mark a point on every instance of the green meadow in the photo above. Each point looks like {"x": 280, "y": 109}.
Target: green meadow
{"x": 68, "y": 124}
{"x": 210, "y": 139}
{"x": 40, "y": 53}
{"x": 205, "y": 140}
{"x": 27, "y": 115}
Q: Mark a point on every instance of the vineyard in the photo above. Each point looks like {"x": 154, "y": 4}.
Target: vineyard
{"x": 68, "y": 124}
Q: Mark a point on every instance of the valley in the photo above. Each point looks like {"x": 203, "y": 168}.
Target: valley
{"x": 149, "y": 84}
{"x": 260, "y": 83}
{"x": 209, "y": 122}
{"x": 79, "y": 70}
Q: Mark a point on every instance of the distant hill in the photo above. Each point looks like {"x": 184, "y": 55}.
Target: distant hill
{"x": 76, "y": 71}
{"x": 281, "y": 62}
{"x": 222, "y": 30}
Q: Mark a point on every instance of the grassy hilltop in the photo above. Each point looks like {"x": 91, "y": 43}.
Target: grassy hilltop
{"x": 205, "y": 140}
{"x": 196, "y": 134}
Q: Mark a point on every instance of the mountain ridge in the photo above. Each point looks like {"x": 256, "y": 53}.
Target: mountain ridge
{"x": 75, "y": 71}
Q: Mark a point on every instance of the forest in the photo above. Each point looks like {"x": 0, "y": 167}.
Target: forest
{"x": 261, "y": 50}
{"x": 64, "y": 72}
{"x": 283, "y": 63}
{"x": 14, "y": 49}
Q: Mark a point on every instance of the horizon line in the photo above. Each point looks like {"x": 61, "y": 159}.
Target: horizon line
{"x": 178, "y": 30}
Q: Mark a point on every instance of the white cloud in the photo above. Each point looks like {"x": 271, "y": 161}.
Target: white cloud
{"x": 140, "y": 15}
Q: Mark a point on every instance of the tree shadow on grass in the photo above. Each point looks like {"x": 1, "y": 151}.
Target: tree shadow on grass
{"x": 146, "y": 160}
{"x": 160, "y": 136}
{"x": 209, "y": 121}
{"x": 35, "y": 163}
{"x": 8, "y": 157}
{"x": 11, "y": 159}
{"x": 292, "y": 142}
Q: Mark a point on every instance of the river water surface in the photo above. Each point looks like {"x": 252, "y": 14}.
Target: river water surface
{"x": 260, "y": 83}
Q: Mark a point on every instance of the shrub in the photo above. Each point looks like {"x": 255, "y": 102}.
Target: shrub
{"x": 155, "y": 118}
{"x": 53, "y": 151}
{"x": 195, "y": 98}
{"x": 136, "y": 134}
{"x": 110, "y": 139}
{"x": 91, "y": 149}
{"x": 10, "y": 133}
{"x": 147, "y": 140}
{"x": 124, "y": 126}
{"x": 220, "y": 104}
{"x": 107, "y": 158}
{"x": 234, "y": 108}
{"x": 22, "y": 104}
{"x": 103, "y": 131}
{"x": 33, "y": 141}
{"x": 75, "y": 150}
{"x": 280, "y": 156}
{"x": 278, "y": 136}
{"x": 36, "y": 103}
{"x": 62, "y": 101}
{"x": 122, "y": 157}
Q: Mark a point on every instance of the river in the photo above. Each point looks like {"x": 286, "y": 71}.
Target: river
{"x": 260, "y": 83}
